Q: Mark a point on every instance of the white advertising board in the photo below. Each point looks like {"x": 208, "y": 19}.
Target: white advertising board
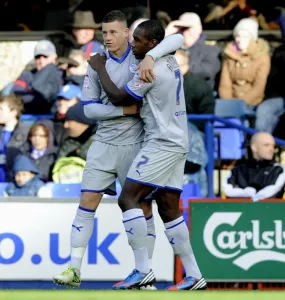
{"x": 35, "y": 243}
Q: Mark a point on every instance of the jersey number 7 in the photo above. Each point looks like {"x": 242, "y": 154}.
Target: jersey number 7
{"x": 178, "y": 76}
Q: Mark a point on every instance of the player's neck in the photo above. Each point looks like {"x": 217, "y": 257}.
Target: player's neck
{"x": 120, "y": 52}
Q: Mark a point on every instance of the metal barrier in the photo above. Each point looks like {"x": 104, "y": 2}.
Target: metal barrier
{"x": 209, "y": 141}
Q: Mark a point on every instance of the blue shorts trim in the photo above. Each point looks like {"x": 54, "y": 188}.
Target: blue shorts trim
{"x": 154, "y": 185}
{"x": 145, "y": 183}
{"x": 173, "y": 188}
{"x": 106, "y": 191}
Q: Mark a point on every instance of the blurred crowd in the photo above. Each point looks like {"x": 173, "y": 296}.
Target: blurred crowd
{"x": 54, "y": 147}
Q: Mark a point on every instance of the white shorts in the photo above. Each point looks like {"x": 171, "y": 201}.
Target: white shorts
{"x": 104, "y": 163}
{"x": 158, "y": 168}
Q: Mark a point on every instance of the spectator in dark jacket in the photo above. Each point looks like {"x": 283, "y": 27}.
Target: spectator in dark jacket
{"x": 260, "y": 178}
{"x": 13, "y": 133}
{"x": 39, "y": 86}
{"x": 81, "y": 132}
{"x": 68, "y": 96}
{"x": 40, "y": 148}
{"x": 205, "y": 60}
{"x": 26, "y": 179}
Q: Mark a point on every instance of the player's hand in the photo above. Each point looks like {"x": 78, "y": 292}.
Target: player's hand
{"x": 97, "y": 61}
{"x": 146, "y": 69}
{"x": 131, "y": 110}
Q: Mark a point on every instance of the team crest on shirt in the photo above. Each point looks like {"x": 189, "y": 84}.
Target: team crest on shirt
{"x": 86, "y": 82}
{"x": 132, "y": 68}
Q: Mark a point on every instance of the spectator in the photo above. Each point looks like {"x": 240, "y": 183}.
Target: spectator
{"x": 75, "y": 73}
{"x": 269, "y": 112}
{"x": 26, "y": 179}
{"x": 40, "y": 148}
{"x": 230, "y": 13}
{"x": 68, "y": 96}
{"x": 246, "y": 65}
{"x": 80, "y": 34}
{"x": 259, "y": 178}
{"x": 39, "y": 86}
{"x": 73, "y": 151}
{"x": 13, "y": 133}
{"x": 204, "y": 59}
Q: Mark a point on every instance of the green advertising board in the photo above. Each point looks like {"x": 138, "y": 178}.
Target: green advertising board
{"x": 239, "y": 241}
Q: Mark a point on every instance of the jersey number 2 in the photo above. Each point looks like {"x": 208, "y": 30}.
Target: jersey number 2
{"x": 178, "y": 76}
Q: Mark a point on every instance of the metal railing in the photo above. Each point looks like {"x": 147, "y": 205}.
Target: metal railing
{"x": 209, "y": 142}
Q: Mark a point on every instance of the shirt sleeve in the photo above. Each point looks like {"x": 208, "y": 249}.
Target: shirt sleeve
{"x": 91, "y": 90}
{"x": 137, "y": 88}
{"x": 102, "y": 112}
{"x": 168, "y": 45}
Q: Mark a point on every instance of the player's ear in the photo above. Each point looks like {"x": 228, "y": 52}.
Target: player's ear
{"x": 126, "y": 32}
{"x": 153, "y": 43}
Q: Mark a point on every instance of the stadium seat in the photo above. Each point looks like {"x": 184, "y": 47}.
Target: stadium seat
{"x": 34, "y": 118}
{"x": 190, "y": 191}
{"x": 3, "y": 186}
{"x": 64, "y": 190}
{"x": 231, "y": 140}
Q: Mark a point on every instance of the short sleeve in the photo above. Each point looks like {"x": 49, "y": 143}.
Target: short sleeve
{"x": 137, "y": 88}
{"x": 91, "y": 89}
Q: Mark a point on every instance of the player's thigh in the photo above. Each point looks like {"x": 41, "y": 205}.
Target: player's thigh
{"x": 153, "y": 167}
{"x": 126, "y": 156}
{"x": 100, "y": 170}
{"x": 132, "y": 194}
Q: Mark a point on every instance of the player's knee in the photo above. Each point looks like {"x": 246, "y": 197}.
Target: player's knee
{"x": 90, "y": 200}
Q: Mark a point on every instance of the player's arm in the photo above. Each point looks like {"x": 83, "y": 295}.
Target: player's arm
{"x": 168, "y": 45}
{"x": 118, "y": 96}
{"x": 93, "y": 107}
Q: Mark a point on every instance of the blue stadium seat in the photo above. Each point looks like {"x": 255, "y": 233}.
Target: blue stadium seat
{"x": 231, "y": 139}
{"x": 64, "y": 190}
{"x": 3, "y": 186}
{"x": 190, "y": 191}
{"x": 34, "y": 118}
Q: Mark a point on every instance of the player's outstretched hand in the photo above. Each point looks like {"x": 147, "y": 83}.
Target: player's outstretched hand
{"x": 97, "y": 61}
{"x": 146, "y": 69}
{"x": 131, "y": 110}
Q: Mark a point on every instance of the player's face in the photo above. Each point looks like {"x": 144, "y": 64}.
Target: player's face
{"x": 115, "y": 35}
{"x": 140, "y": 44}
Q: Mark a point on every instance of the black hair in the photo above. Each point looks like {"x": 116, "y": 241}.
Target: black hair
{"x": 113, "y": 16}
{"x": 153, "y": 30}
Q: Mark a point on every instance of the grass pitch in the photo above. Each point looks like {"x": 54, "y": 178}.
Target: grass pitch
{"x": 141, "y": 295}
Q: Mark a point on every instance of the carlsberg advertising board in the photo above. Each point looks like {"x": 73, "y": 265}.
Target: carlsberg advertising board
{"x": 239, "y": 241}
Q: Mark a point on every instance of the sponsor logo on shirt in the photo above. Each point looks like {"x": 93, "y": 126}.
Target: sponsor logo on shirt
{"x": 86, "y": 82}
{"x": 180, "y": 113}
